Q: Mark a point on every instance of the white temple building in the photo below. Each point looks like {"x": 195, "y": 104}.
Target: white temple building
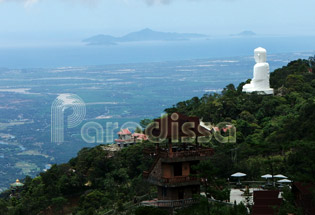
{"x": 260, "y": 82}
{"x": 126, "y": 138}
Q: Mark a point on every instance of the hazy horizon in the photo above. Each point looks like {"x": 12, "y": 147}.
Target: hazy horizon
{"x": 69, "y": 20}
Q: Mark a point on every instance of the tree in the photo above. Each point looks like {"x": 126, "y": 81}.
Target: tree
{"x": 58, "y": 204}
{"x": 312, "y": 62}
{"x": 94, "y": 200}
{"x": 145, "y": 122}
{"x": 215, "y": 187}
{"x": 294, "y": 82}
{"x": 3, "y": 207}
{"x": 150, "y": 210}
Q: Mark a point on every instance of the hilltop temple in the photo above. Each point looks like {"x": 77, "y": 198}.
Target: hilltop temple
{"x": 260, "y": 82}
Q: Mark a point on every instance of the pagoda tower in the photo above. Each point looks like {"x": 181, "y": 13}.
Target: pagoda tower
{"x": 177, "y": 149}
{"x": 16, "y": 188}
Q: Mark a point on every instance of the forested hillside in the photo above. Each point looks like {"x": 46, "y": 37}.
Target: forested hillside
{"x": 275, "y": 134}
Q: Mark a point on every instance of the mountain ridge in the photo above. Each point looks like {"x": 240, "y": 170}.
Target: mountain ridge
{"x": 145, "y": 34}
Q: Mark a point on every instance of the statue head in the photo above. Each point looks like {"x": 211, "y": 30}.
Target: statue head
{"x": 260, "y": 55}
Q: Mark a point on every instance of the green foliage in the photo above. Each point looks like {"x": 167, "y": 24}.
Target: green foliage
{"x": 151, "y": 211}
{"x": 3, "y": 207}
{"x": 312, "y": 62}
{"x": 279, "y": 126}
{"x": 301, "y": 163}
{"x": 98, "y": 179}
{"x": 58, "y": 204}
{"x": 206, "y": 208}
{"x": 288, "y": 206}
{"x": 94, "y": 200}
{"x": 216, "y": 188}
{"x": 145, "y": 122}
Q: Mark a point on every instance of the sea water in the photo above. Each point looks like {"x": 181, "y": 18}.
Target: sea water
{"x": 78, "y": 54}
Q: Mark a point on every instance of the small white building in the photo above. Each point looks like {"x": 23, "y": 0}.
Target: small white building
{"x": 126, "y": 138}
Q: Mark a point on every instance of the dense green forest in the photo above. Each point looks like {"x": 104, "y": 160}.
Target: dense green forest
{"x": 275, "y": 134}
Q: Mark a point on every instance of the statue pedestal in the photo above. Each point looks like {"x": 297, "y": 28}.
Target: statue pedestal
{"x": 249, "y": 89}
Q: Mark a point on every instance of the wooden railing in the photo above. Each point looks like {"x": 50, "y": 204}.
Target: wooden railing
{"x": 174, "y": 180}
{"x": 170, "y": 203}
{"x": 131, "y": 204}
{"x": 192, "y": 153}
{"x": 179, "y": 179}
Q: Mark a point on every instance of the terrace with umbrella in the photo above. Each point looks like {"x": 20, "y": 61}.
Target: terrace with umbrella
{"x": 238, "y": 175}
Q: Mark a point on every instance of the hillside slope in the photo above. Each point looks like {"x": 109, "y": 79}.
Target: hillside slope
{"x": 275, "y": 134}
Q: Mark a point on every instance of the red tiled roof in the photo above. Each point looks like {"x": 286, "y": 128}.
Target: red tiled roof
{"x": 266, "y": 202}
{"x": 120, "y": 140}
{"x": 124, "y": 131}
{"x": 271, "y": 194}
{"x": 140, "y": 136}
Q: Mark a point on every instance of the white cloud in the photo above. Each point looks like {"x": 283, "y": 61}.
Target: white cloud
{"x": 26, "y": 2}
{"x": 149, "y": 2}
{"x": 30, "y": 2}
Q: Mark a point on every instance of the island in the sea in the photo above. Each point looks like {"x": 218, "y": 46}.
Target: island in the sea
{"x": 245, "y": 34}
{"x": 142, "y": 35}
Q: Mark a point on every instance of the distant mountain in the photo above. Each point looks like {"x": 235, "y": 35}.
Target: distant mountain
{"x": 245, "y": 34}
{"x": 101, "y": 40}
{"x": 143, "y": 35}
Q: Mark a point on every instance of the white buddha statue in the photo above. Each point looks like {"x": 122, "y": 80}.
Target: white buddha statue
{"x": 260, "y": 82}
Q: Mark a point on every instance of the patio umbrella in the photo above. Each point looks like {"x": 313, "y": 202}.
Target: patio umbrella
{"x": 238, "y": 175}
{"x": 280, "y": 176}
{"x": 266, "y": 176}
{"x": 285, "y": 181}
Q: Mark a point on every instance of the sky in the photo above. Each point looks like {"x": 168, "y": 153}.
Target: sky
{"x": 78, "y": 19}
